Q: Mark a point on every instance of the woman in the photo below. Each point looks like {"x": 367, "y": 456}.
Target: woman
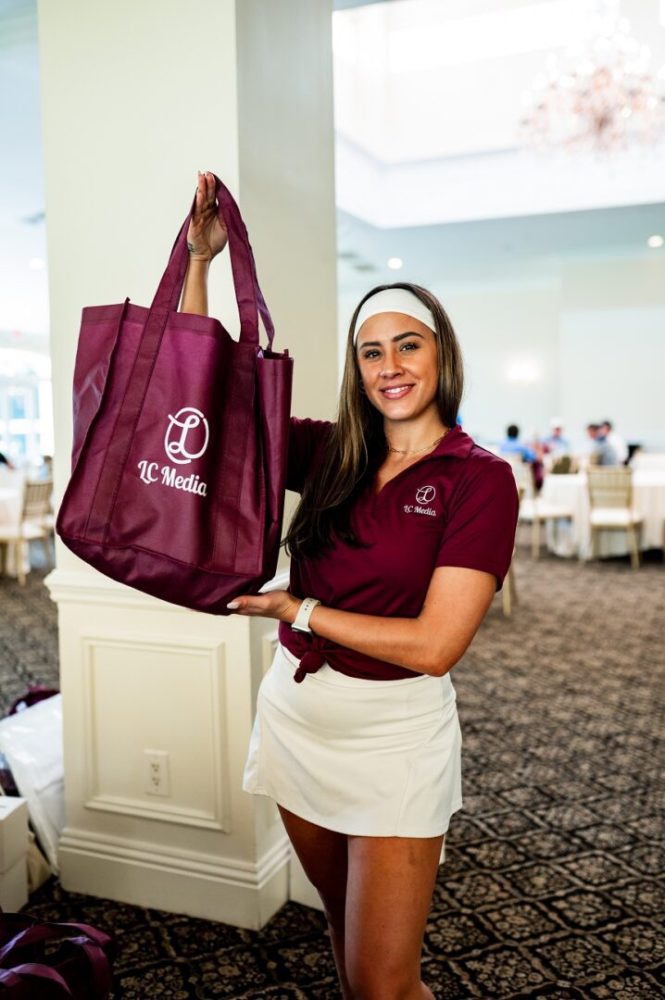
{"x": 404, "y": 532}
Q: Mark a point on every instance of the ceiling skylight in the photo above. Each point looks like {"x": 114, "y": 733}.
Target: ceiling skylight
{"x": 407, "y": 37}
{"x": 537, "y": 27}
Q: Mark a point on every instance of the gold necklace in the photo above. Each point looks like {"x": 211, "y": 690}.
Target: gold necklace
{"x": 417, "y": 451}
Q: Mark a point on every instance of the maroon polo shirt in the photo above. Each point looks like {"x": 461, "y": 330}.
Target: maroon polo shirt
{"x": 456, "y": 506}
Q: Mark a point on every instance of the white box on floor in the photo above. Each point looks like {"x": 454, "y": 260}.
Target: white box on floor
{"x": 14, "y": 886}
{"x": 31, "y": 741}
{"x": 13, "y": 830}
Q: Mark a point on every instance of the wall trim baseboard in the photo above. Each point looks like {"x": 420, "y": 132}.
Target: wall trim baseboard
{"x": 209, "y": 886}
{"x": 174, "y": 859}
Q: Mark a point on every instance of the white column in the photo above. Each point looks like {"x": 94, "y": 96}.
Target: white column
{"x": 135, "y": 98}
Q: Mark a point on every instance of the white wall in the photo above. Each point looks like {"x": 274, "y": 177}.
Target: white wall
{"x": 590, "y": 333}
{"x": 503, "y": 332}
{"x": 612, "y": 346}
{"x": 597, "y": 334}
{"x": 614, "y": 361}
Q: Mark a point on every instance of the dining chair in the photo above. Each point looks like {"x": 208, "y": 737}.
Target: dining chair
{"x": 32, "y": 524}
{"x": 611, "y": 507}
{"x": 533, "y": 509}
{"x": 537, "y": 512}
{"x": 563, "y": 465}
{"x": 509, "y": 592}
{"x": 509, "y": 589}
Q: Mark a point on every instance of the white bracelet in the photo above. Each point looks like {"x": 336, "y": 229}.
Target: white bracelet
{"x": 301, "y": 623}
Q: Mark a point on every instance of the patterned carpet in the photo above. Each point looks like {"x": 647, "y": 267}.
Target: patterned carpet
{"x": 554, "y": 882}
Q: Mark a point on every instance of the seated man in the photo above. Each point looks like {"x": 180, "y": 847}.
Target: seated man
{"x": 555, "y": 443}
{"x": 615, "y": 441}
{"x": 602, "y": 452}
{"x": 512, "y": 447}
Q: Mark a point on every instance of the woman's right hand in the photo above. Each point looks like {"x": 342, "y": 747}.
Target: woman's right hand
{"x": 207, "y": 235}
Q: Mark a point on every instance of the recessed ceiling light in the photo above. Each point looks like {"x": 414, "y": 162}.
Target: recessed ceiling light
{"x": 655, "y": 241}
{"x": 394, "y": 263}
{"x": 36, "y": 264}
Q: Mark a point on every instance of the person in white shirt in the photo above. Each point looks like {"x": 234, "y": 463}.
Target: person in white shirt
{"x": 602, "y": 452}
{"x": 615, "y": 441}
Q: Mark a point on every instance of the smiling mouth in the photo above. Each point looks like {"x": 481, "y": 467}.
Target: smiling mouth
{"x": 396, "y": 392}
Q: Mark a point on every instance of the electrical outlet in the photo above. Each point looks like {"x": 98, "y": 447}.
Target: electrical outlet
{"x": 158, "y": 780}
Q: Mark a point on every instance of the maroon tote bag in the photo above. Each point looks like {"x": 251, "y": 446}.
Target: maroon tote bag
{"x": 180, "y": 440}
{"x": 79, "y": 968}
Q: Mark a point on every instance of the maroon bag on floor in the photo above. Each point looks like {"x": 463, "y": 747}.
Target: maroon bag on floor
{"x": 80, "y": 968}
{"x": 180, "y": 440}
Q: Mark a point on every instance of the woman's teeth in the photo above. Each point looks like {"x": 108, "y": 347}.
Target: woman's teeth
{"x": 396, "y": 393}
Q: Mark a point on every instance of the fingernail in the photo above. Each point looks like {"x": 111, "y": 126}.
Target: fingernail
{"x": 233, "y": 604}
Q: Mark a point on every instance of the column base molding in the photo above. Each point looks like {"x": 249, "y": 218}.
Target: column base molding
{"x": 199, "y": 885}
{"x": 88, "y": 586}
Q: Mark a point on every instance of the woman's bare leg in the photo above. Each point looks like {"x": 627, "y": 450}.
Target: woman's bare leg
{"x": 388, "y": 899}
{"x": 323, "y": 855}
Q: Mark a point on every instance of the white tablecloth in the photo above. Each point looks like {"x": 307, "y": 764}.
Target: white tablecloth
{"x": 11, "y": 493}
{"x": 575, "y": 539}
{"x": 648, "y": 460}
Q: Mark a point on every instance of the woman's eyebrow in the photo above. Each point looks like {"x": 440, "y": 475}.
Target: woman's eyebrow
{"x": 400, "y": 336}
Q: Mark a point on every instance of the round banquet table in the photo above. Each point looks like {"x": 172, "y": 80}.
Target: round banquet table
{"x": 574, "y": 538}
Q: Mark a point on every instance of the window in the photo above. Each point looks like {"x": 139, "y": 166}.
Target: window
{"x": 26, "y": 422}
{"x": 18, "y": 400}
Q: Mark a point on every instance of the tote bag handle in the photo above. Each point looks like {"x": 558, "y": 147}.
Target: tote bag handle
{"x": 250, "y": 300}
{"x": 91, "y": 940}
{"x": 16, "y": 981}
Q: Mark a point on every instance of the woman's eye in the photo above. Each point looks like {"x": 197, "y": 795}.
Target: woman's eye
{"x": 410, "y": 344}
{"x": 370, "y": 355}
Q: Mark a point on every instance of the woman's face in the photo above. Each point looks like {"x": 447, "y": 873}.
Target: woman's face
{"x": 398, "y": 364}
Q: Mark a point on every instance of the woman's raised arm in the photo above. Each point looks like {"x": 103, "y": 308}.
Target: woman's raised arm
{"x": 206, "y": 237}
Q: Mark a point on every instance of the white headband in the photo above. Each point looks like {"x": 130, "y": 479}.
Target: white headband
{"x": 399, "y": 300}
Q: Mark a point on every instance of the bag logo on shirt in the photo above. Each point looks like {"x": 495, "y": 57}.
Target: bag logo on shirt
{"x": 187, "y": 436}
{"x": 424, "y": 495}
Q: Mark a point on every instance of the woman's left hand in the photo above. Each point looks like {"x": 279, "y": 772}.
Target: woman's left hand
{"x": 279, "y": 604}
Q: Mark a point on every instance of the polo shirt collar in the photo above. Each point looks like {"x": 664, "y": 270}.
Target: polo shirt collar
{"x": 456, "y": 444}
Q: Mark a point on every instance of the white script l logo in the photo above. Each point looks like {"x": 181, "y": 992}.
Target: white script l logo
{"x": 425, "y": 494}
{"x": 188, "y": 420}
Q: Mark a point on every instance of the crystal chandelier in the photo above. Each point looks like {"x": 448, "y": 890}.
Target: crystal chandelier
{"x": 598, "y": 96}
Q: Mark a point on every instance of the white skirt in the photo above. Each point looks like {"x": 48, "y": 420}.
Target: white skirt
{"x": 363, "y": 757}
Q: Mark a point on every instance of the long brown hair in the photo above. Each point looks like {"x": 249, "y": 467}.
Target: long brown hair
{"x": 357, "y": 443}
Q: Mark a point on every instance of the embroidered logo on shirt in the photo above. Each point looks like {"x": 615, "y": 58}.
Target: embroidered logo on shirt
{"x": 425, "y": 494}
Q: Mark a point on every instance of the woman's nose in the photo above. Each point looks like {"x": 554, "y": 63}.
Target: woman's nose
{"x": 391, "y": 365}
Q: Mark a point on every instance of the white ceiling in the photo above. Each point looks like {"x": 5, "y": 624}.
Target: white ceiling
{"x": 422, "y": 80}
{"x": 462, "y": 123}
{"x": 480, "y": 253}
{"x": 430, "y": 164}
